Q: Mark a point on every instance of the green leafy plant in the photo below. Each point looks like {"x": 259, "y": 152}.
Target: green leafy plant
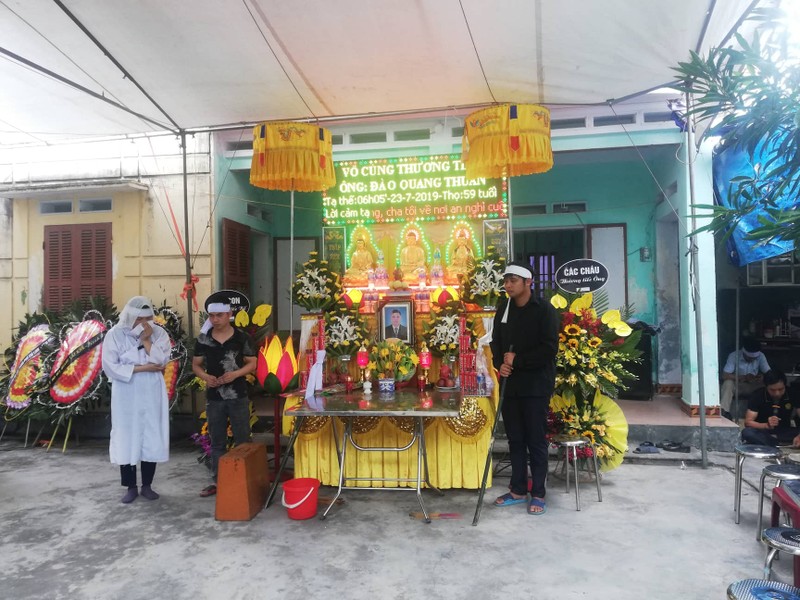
{"x": 749, "y": 92}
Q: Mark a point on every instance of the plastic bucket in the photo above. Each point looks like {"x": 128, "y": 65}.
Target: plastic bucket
{"x": 300, "y": 497}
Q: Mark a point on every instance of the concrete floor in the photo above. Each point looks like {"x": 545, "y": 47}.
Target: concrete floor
{"x": 662, "y": 531}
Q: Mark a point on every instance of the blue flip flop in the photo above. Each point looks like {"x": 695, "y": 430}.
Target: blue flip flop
{"x": 508, "y": 500}
{"x": 539, "y": 503}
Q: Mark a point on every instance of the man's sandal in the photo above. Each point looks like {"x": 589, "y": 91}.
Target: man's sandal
{"x": 508, "y": 500}
{"x": 538, "y": 503}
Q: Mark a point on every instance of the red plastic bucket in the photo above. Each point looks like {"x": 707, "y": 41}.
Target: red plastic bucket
{"x": 300, "y": 497}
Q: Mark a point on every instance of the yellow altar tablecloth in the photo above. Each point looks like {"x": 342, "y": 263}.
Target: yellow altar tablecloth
{"x": 456, "y": 448}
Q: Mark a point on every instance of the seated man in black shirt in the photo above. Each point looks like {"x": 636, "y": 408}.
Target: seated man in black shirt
{"x": 768, "y": 420}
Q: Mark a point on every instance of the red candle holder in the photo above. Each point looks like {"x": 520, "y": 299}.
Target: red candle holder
{"x": 362, "y": 358}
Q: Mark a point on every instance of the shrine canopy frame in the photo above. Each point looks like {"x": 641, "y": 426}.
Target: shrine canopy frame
{"x": 405, "y": 308}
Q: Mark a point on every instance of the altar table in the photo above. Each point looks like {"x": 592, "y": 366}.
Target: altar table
{"x": 412, "y": 407}
{"x": 456, "y": 444}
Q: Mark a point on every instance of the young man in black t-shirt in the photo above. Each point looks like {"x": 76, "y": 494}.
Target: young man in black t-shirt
{"x": 768, "y": 420}
{"x": 223, "y": 356}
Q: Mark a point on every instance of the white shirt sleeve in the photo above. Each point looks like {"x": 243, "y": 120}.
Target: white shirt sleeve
{"x": 763, "y": 365}
{"x": 730, "y": 364}
{"x": 118, "y": 360}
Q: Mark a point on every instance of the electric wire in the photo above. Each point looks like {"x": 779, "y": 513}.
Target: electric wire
{"x": 650, "y": 171}
{"x": 477, "y": 55}
{"x": 280, "y": 64}
{"x": 216, "y": 200}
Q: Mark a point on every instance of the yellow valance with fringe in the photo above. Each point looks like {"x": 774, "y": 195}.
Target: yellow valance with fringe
{"x": 507, "y": 140}
{"x": 292, "y": 157}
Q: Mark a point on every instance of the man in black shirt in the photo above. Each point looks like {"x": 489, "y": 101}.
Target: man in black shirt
{"x": 223, "y": 356}
{"x": 768, "y": 420}
{"x": 531, "y": 326}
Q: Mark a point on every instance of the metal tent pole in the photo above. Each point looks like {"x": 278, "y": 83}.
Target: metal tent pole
{"x": 188, "y": 259}
{"x": 695, "y": 288}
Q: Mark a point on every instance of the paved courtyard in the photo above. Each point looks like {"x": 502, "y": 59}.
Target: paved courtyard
{"x": 662, "y": 531}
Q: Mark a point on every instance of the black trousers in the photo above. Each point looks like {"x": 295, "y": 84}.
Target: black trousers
{"x": 525, "y": 421}
{"x": 128, "y": 474}
{"x": 769, "y": 437}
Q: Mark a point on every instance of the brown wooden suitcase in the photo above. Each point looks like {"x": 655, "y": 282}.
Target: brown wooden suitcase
{"x": 242, "y": 482}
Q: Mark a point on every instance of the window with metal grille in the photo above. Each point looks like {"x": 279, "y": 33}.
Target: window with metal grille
{"x": 544, "y": 273}
{"x": 77, "y": 263}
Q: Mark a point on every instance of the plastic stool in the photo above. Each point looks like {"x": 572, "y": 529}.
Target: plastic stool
{"x": 242, "y": 482}
{"x": 755, "y": 589}
{"x": 786, "y": 539}
{"x": 781, "y": 473}
{"x": 744, "y": 451}
{"x": 573, "y": 442}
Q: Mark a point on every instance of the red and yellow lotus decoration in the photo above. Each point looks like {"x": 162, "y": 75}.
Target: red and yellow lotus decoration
{"x": 442, "y": 296}
{"x": 277, "y": 368}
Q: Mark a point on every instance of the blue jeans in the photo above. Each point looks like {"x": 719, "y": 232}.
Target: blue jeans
{"x": 218, "y": 412}
{"x": 768, "y": 437}
{"x": 525, "y": 421}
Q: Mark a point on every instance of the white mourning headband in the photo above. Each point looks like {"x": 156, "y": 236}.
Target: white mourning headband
{"x": 517, "y": 270}
{"x": 218, "y": 307}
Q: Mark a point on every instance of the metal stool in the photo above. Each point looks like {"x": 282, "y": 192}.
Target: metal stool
{"x": 781, "y": 473}
{"x": 573, "y": 442}
{"x": 753, "y": 451}
{"x": 755, "y": 589}
{"x": 786, "y": 539}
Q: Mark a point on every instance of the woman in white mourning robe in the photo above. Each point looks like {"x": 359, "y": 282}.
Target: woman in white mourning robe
{"x": 135, "y": 353}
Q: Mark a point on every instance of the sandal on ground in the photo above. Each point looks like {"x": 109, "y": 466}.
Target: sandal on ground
{"x": 671, "y": 446}
{"x": 538, "y": 503}
{"x": 646, "y": 448}
{"x": 508, "y": 500}
{"x": 208, "y": 491}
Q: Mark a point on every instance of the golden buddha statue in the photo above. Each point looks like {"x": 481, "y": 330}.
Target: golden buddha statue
{"x": 462, "y": 257}
{"x": 361, "y": 262}
{"x": 412, "y": 258}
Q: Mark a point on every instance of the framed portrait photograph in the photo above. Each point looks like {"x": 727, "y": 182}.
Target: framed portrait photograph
{"x": 396, "y": 320}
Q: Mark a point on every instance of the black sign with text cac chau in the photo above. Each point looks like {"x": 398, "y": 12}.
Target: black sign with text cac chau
{"x": 581, "y": 276}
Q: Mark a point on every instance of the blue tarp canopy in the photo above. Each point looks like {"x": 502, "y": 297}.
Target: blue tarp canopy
{"x": 732, "y": 162}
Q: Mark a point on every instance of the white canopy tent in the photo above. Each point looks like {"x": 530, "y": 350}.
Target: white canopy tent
{"x": 80, "y": 69}
{"x": 72, "y": 68}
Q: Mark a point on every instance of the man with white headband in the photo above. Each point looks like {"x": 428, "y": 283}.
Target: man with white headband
{"x": 135, "y": 353}
{"x": 524, "y": 345}
{"x": 223, "y": 356}
{"x": 752, "y": 365}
